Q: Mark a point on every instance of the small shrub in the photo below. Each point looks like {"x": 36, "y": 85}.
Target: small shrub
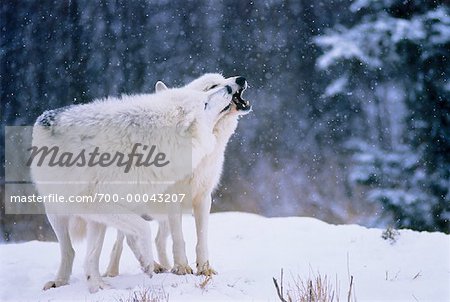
{"x": 390, "y": 234}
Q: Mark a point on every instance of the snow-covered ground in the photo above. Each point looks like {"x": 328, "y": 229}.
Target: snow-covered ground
{"x": 248, "y": 250}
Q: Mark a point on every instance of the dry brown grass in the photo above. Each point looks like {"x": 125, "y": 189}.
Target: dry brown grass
{"x": 316, "y": 288}
{"x": 204, "y": 284}
{"x": 146, "y": 294}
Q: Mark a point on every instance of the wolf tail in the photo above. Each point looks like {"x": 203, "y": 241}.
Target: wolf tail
{"x": 49, "y": 118}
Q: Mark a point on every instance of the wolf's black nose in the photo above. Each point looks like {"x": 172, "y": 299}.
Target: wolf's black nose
{"x": 241, "y": 81}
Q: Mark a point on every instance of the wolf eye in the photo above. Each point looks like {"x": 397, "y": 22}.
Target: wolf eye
{"x": 213, "y": 86}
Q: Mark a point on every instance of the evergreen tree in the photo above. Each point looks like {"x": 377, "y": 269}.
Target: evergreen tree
{"x": 406, "y": 43}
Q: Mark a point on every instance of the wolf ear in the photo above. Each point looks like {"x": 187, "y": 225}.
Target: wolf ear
{"x": 160, "y": 86}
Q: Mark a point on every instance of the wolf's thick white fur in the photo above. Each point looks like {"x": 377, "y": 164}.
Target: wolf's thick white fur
{"x": 202, "y": 182}
{"x": 117, "y": 123}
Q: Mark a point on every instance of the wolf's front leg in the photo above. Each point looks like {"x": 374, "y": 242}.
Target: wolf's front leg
{"x": 202, "y": 207}
{"x": 181, "y": 266}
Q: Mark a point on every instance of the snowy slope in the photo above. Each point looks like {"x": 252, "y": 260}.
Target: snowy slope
{"x": 248, "y": 250}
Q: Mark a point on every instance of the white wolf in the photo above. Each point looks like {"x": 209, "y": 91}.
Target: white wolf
{"x": 115, "y": 124}
{"x": 202, "y": 182}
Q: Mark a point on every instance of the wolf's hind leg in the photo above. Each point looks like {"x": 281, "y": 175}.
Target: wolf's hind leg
{"x": 161, "y": 243}
{"x": 114, "y": 259}
{"x": 133, "y": 244}
{"x": 136, "y": 229}
{"x": 95, "y": 238}
{"x": 60, "y": 224}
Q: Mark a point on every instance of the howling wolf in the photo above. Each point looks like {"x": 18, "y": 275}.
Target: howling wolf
{"x": 202, "y": 182}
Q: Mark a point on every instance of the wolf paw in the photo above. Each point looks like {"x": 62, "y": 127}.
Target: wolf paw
{"x": 111, "y": 273}
{"x": 54, "y": 284}
{"x": 180, "y": 269}
{"x": 205, "y": 269}
{"x": 164, "y": 262}
{"x": 149, "y": 269}
{"x": 95, "y": 286}
{"x": 159, "y": 268}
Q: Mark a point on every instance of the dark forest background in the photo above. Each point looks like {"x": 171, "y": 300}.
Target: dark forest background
{"x": 351, "y": 99}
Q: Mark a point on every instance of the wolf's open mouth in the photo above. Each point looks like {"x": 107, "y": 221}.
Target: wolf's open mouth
{"x": 240, "y": 103}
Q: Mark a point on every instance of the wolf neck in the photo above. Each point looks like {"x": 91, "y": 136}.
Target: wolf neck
{"x": 223, "y": 130}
